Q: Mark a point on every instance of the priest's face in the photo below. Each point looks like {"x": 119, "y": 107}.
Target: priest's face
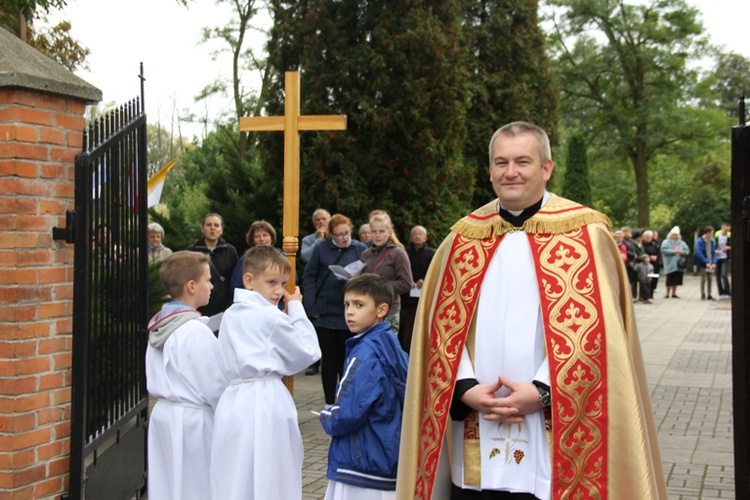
{"x": 361, "y": 312}
{"x": 269, "y": 283}
{"x": 517, "y": 172}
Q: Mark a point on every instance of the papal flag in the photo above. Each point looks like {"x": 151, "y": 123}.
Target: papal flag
{"x": 156, "y": 184}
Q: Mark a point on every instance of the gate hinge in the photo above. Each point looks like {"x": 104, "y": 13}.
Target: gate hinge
{"x": 65, "y": 233}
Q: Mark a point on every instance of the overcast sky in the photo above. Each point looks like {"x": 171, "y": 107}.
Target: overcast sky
{"x": 166, "y": 38}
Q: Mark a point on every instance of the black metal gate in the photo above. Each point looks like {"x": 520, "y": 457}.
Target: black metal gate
{"x": 109, "y": 399}
{"x": 740, "y": 311}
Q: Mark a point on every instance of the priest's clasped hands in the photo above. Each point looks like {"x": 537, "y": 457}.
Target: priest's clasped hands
{"x": 523, "y": 399}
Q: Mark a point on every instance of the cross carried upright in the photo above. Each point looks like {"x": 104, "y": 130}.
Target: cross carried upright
{"x": 292, "y": 123}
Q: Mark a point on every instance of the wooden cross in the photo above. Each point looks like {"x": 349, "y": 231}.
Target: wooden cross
{"x": 292, "y": 123}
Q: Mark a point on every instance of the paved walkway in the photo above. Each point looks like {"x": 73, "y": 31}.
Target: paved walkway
{"x": 687, "y": 350}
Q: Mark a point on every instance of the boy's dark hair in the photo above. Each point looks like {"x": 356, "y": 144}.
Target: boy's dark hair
{"x": 264, "y": 257}
{"x": 181, "y": 267}
{"x": 373, "y": 286}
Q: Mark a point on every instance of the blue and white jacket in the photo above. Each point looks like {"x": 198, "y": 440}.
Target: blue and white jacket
{"x": 705, "y": 252}
{"x": 365, "y": 420}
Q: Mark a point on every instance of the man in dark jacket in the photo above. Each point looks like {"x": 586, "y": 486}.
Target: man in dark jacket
{"x": 420, "y": 256}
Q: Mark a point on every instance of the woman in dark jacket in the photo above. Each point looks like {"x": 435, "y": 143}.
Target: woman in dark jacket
{"x": 223, "y": 259}
{"x": 323, "y": 296}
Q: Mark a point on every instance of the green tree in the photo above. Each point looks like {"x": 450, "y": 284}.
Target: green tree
{"x": 510, "y": 80}
{"x": 397, "y": 70}
{"x": 212, "y": 177}
{"x": 631, "y": 84}
{"x": 731, "y": 80}
{"x": 235, "y": 35}
{"x": 577, "y": 185}
{"x": 15, "y": 14}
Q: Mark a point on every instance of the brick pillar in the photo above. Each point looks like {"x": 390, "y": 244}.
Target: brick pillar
{"x": 41, "y": 131}
{"x": 39, "y": 137}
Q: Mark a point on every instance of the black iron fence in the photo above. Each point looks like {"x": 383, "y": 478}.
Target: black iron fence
{"x": 740, "y": 311}
{"x": 109, "y": 401}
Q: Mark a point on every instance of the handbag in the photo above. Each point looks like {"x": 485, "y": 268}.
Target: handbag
{"x": 682, "y": 263}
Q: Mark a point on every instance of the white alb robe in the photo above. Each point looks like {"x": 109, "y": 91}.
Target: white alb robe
{"x": 257, "y": 447}
{"x": 509, "y": 342}
{"x": 186, "y": 377}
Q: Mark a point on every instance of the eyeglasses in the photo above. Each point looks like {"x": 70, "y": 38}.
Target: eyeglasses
{"x": 341, "y": 235}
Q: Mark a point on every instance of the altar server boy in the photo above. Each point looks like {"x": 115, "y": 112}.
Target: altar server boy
{"x": 257, "y": 450}
{"x": 183, "y": 373}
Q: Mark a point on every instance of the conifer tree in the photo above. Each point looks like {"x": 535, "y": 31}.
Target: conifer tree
{"x": 397, "y": 70}
{"x": 510, "y": 78}
{"x": 577, "y": 185}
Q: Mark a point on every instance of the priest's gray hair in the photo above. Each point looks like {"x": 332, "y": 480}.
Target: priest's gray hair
{"x": 518, "y": 128}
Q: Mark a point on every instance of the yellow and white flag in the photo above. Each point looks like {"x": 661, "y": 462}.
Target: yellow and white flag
{"x": 156, "y": 184}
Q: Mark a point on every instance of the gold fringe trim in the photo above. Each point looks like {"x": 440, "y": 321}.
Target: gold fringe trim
{"x": 573, "y": 216}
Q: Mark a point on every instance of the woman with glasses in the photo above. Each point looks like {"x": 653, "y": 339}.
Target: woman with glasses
{"x": 323, "y": 296}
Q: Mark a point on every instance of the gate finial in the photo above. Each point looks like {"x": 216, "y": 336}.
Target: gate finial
{"x": 143, "y": 96}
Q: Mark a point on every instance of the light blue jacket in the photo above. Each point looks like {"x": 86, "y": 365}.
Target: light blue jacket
{"x": 670, "y": 258}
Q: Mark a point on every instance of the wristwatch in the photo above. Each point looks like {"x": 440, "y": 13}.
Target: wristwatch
{"x": 545, "y": 400}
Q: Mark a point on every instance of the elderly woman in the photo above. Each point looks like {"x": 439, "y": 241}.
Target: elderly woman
{"x": 323, "y": 296}
{"x": 156, "y": 249}
{"x": 223, "y": 259}
{"x": 260, "y": 233}
{"x": 618, "y": 236}
{"x": 365, "y": 235}
{"x": 388, "y": 259}
{"x": 672, "y": 249}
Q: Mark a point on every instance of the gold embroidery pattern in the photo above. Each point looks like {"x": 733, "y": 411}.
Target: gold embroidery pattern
{"x": 509, "y": 442}
{"x": 472, "y": 450}
{"x": 575, "y": 344}
{"x": 471, "y": 426}
{"x": 455, "y": 304}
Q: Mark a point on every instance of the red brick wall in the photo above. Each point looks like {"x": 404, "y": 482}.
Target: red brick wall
{"x": 39, "y": 138}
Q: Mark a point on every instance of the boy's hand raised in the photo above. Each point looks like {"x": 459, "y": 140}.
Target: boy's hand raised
{"x": 297, "y": 295}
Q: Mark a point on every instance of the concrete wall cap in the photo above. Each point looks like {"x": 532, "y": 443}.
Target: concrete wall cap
{"x": 22, "y": 66}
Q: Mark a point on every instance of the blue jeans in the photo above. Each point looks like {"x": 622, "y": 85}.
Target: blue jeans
{"x": 722, "y": 276}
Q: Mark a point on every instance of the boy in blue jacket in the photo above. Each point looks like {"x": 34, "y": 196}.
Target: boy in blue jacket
{"x": 365, "y": 420}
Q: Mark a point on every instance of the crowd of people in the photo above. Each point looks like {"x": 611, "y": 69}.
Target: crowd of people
{"x": 467, "y": 354}
{"x": 646, "y": 258}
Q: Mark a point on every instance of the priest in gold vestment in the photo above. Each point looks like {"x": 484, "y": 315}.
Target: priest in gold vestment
{"x": 526, "y": 379}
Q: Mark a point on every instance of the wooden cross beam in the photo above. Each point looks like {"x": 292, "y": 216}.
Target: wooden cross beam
{"x": 292, "y": 123}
